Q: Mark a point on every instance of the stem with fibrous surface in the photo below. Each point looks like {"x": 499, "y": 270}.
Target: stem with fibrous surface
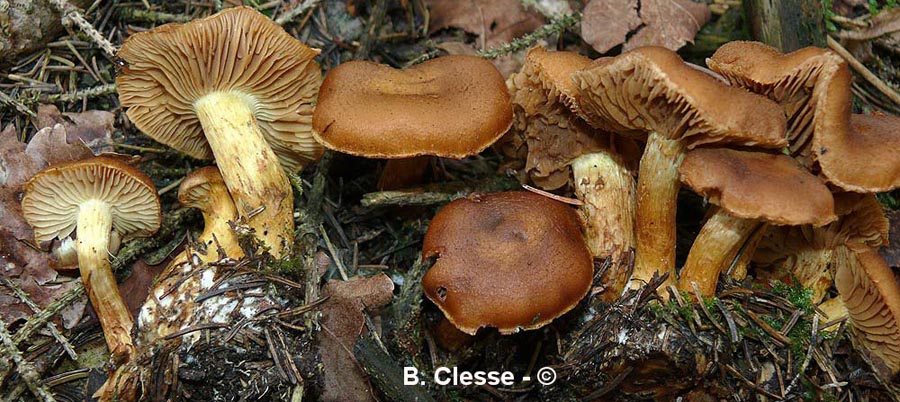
{"x": 657, "y": 196}
{"x": 251, "y": 170}
{"x": 606, "y": 188}
{"x": 93, "y": 229}
{"x": 713, "y": 251}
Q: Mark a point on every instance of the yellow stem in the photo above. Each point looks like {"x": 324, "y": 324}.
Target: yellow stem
{"x": 657, "y": 196}
{"x": 93, "y": 229}
{"x": 607, "y": 189}
{"x": 249, "y": 166}
{"x": 713, "y": 251}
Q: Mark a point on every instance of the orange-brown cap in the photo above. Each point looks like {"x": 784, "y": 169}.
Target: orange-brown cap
{"x": 756, "y": 185}
{"x": 237, "y": 50}
{"x": 788, "y": 79}
{"x": 554, "y": 72}
{"x": 866, "y": 157}
{"x": 52, "y": 197}
{"x": 871, "y": 294}
{"x": 652, "y": 89}
{"x": 452, "y": 106}
{"x": 513, "y": 261}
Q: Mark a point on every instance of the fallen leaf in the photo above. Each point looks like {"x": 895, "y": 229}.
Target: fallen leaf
{"x": 342, "y": 324}
{"x": 607, "y": 23}
{"x": 94, "y": 127}
{"x": 667, "y": 23}
{"x": 22, "y": 264}
{"x": 493, "y": 21}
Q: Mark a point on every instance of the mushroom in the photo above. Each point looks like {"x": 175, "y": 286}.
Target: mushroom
{"x": 651, "y": 92}
{"x": 813, "y": 86}
{"x": 451, "y": 107}
{"x": 806, "y": 254}
{"x": 513, "y": 260}
{"x": 871, "y": 294}
{"x": 559, "y": 141}
{"x": 748, "y": 188}
{"x": 205, "y": 190}
{"x": 95, "y": 197}
{"x": 237, "y": 87}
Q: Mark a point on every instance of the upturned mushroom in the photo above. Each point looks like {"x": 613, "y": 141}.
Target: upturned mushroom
{"x": 95, "y": 198}
{"x": 871, "y": 294}
{"x": 451, "y": 107}
{"x": 237, "y": 87}
{"x": 855, "y": 152}
{"x": 514, "y": 261}
{"x": 749, "y": 190}
{"x": 561, "y": 145}
{"x": 650, "y": 92}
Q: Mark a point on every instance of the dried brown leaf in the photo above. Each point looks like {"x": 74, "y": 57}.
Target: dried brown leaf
{"x": 891, "y": 252}
{"x": 607, "y": 23}
{"x": 94, "y": 127}
{"x": 494, "y": 21}
{"x": 667, "y": 23}
{"x": 27, "y": 267}
{"x": 342, "y": 324}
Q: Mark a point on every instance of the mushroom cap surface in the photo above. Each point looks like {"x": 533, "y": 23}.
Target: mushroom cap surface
{"x": 451, "y": 106}
{"x": 52, "y": 198}
{"x": 651, "y": 89}
{"x": 167, "y": 69}
{"x": 513, "y": 261}
{"x": 756, "y": 185}
{"x": 865, "y": 157}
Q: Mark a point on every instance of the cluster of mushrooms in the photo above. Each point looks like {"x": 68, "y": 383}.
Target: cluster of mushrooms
{"x": 768, "y": 139}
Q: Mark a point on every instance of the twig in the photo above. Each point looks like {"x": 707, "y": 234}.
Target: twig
{"x": 334, "y": 253}
{"x": 136, "y": 14}
{"x": 50, "y": 326}
{"x": 38, "y": 320}
{"x": 301, "y": 8}
{"x": 100, "y": 90}
{"x": 864, "y": 72}
{"x": 557, "y": 25}
{"x": 809, "y": 354}
{"x": 70, "y": 15}
{"x": 24, "y": 368}
{"x": 18, "y": 105}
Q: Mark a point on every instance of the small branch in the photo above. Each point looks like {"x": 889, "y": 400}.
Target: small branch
{"x": 864, "y": 72}
{"x": 38, "y": 320}
{"x": 556, "y": 26}
{"x": 100, "y": 90}
{"x": 24, "y": 368}
{"x": 301, "y": 8}
{"x": 71, "y": 15}
{"x": 34, "y": 307}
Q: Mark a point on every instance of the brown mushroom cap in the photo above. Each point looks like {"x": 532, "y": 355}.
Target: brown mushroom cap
{"x": 871, "y": 294}
{"x": 652, "y": 89}
{"x": 452, "y": 106}
{"x": 237, "y": 50}
{"x": 513, "y": 261}
{"x": 866, "y": 157}
{"x": 554, "y": 71}
{"x": 755, "y": 185}
{"x": 788, "y": 79}
{"x": 52, "y": 198}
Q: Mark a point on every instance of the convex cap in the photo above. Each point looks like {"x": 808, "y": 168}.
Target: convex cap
{"x": 237, "y": 50}
{"x": 52, "y": 198}
{"x": 513, "y": 261}
{"x": 452, "y": 106}
{"x": 756, "y": 185}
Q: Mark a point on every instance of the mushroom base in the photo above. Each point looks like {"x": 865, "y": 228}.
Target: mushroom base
{"x": 93, "y": 230}
{"x": 657, "y": 196}
{"x": 715, "y": 250}
{"x": 607, "y": 188}
{"x": 251, "y": 170}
